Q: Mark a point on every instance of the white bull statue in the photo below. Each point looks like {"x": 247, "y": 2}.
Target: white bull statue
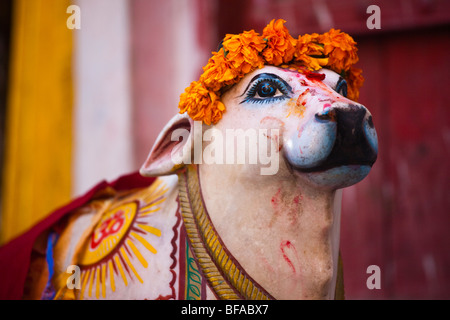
{"x": 211, "y": 226}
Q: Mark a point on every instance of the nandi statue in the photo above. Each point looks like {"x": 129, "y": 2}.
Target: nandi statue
{"x": 243, "y": 198}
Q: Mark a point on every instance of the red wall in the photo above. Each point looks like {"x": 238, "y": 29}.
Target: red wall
{"x": 398, "y": 217}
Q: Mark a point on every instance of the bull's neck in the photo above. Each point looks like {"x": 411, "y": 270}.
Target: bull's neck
{"x": 279, "y": 233}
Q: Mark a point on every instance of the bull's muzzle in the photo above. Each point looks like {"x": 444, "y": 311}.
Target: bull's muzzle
{"x": 337, "y": 136}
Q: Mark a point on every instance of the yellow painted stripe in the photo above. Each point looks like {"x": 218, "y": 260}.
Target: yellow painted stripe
{"x": 97, "y": 283}
{"x": 104, "y": 280}
{"x": 127, "y": 260}
{"x": 150, "y": 229}
{"x": 146, "y": 212}
{"x": 155, "y": 194}
{"x": 90, "y": 283}
{"x": 154, "y": 185}
{"x": 148, "y": 194}
{"x": 83, "y": 286}
{"x": 137, "y": 253}
{"x": 154, "y": 203}
{"x": 122, "y": 273}
{"x": 144, "y": 242}
{"x": 38, "y": 131}
{"x": 111, "y": 276}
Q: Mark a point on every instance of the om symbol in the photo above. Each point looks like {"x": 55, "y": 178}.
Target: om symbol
{"x": 107, "y": 228}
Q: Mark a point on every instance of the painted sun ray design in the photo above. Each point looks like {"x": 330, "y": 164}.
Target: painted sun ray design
{"x": 118, "y": 242}
{"x": 150, "y": 208}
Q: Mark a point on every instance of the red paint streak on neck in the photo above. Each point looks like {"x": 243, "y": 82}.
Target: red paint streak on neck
{"x": 276, "y": 200}
{"x": 283, "y": 246}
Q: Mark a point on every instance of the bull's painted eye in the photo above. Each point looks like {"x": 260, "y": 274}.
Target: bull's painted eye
{"x": 266, "y": 88}
{"x": 341, "y": 87}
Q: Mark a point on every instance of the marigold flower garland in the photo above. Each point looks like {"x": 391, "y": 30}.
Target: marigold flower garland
{"x": 243, "y": 53}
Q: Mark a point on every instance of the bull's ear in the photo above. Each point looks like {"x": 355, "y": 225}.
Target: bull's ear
{"x": 172, "y": 149}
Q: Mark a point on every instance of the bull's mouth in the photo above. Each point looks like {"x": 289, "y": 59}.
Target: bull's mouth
{"x": 355, "y": 144}
{"x": 328, "y": 167}
{"x": 345, "y": 154}
{"x": 348, "y": 163}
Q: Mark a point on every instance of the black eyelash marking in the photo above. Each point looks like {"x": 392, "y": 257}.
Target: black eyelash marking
{"x": 341, "y": 85}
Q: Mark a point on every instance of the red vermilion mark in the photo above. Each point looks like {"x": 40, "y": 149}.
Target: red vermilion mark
{"x": 303, "y": 94}
{"x": 285, "y": 209}
{"x": 314, "y": 75}
{"x": 287, "y": 244}
{"x": 276, "y": 200}
{"x": 299, "y": 102}
{"x": 301, "y": 98}
{"x": 272, "y": 119}
{"x": 267, "y": 264}
{"x": 276, "y": 203}
{"x": 299, "y": 130}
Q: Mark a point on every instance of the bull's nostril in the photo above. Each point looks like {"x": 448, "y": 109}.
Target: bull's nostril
{"x": 321, "y": 116}
{"x": 370, "y": 122}
{"x": 326, "y": 115}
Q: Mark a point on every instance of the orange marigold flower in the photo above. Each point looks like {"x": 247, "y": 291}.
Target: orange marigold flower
{"x": 219, "y": 72}
{"x": 309, "y": 44}
{"x": 242, "y": 50}
{"x": 201, "y": 104}
{"x": 342, "y": 60}
{"x": 337, "y": 39}
{"x": 341, "y": 49}
{"x": 280, "y": 44}
{"x": 309, "y": 52}
{"x": 355, "y": 81}
{"x": 313, "y": 63}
